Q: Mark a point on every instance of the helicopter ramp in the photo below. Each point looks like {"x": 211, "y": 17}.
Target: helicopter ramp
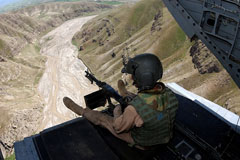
{"x": 199, "y": 132}
{"x": 225, "y": 115}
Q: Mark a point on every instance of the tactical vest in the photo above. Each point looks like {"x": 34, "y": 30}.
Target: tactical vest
{"x": 158, "y": 114}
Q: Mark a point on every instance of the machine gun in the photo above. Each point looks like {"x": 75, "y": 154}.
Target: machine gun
{"x": 99, "y": 98}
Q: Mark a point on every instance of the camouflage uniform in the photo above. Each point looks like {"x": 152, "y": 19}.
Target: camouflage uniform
{"x": 157, "y": 108}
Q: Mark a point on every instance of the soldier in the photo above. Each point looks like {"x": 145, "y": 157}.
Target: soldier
{"x": 148, "y": 119}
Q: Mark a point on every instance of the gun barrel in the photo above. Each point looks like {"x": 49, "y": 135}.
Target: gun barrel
{"x": 93, "y": 79}
{"x": 107, "y": 88}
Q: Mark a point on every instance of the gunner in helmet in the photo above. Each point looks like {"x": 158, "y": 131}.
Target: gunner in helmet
{"x": 148, "y": 119}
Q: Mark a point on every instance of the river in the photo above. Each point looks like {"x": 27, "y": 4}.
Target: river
{"x": 64, "y": 74}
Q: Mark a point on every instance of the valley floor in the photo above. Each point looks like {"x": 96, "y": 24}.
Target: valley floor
{"x": 64, "y": 74}
{"x": 30, "y": 105}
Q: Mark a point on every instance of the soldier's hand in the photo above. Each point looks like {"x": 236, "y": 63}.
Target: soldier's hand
{"x": 128, "y": 96}
{"x": 122, "y": 88}
{"x": 117, "y": 111}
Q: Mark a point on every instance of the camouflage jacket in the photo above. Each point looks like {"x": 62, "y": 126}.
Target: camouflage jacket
{"x": 157, "y": 108}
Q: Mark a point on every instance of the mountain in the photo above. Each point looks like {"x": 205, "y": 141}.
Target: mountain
{"x": 149, "y": 27}
{"x": 6, "y": 6}
{"x": 22, "y": 65}
{"x": 18, "y": 4}
{"x": 24, "y": 26}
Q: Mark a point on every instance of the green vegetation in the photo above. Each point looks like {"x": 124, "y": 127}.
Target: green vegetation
{"x": 74, "y": 42}
{"x": 110, "y": 2}
{"x": 2, "y": 44}
{"x": 173, "y": 41}
{"x": 67, "y": 0}
{"x": 30, "y": 56}
{"x": 121, "y": 23}
{"x": 12, "y": 157}
{"x": 131, "y": 27}
{"x": 38, "y": 77}
{"x": 132, "y": 19}
{"x": 37, "y": 48}
{"x": 141, "y": 14}
{"x": 32, "y": 63}
{"x": 24, "y": 3}
{"x": 180, "y": 54}
{"x": 4, "y": 49}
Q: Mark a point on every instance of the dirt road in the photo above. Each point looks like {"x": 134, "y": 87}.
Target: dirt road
{"x": 64, "y": 74}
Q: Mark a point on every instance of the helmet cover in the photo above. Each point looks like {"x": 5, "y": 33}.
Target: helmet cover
{"x": 146, "y": 70}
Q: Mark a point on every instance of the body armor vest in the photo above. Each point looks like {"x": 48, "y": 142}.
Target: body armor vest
{"x": 157, "y": 111}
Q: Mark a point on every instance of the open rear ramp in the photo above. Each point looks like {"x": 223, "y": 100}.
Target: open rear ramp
{"x": 198, "y": 134}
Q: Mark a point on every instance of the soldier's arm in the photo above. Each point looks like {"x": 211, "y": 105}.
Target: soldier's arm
{"x": 117, "y": 112}
{"x": 127, "y": 120}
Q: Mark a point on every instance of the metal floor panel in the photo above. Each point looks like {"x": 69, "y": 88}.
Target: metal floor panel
{"x": 197, "y": 132}
{"x": 78, "y": 140}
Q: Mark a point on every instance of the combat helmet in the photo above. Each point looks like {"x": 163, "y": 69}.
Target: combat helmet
{"x": 146, "y": 70}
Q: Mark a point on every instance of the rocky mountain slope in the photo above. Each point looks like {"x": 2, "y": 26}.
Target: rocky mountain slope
{"x": 19, "y": 4}
{"x": 22, "y": 65}
{"x": 24, "y": 26}
{"x": 149, "y": 27}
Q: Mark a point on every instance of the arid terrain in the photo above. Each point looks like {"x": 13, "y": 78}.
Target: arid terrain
{"x": 19, "y": 4}
{"x": 22, "y": 107}
{"x": 64, "y": 74}
{"x": 143, "y": 28}
{"x": 44, "y": 50}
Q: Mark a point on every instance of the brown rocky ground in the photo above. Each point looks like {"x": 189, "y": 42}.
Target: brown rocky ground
{"x": 22, "y": 65}
{"x": 189, "y": 64}
{"x": 203, "y": 60}
{"x": 24, "y": 26}
{"x": 64, "y": 74}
